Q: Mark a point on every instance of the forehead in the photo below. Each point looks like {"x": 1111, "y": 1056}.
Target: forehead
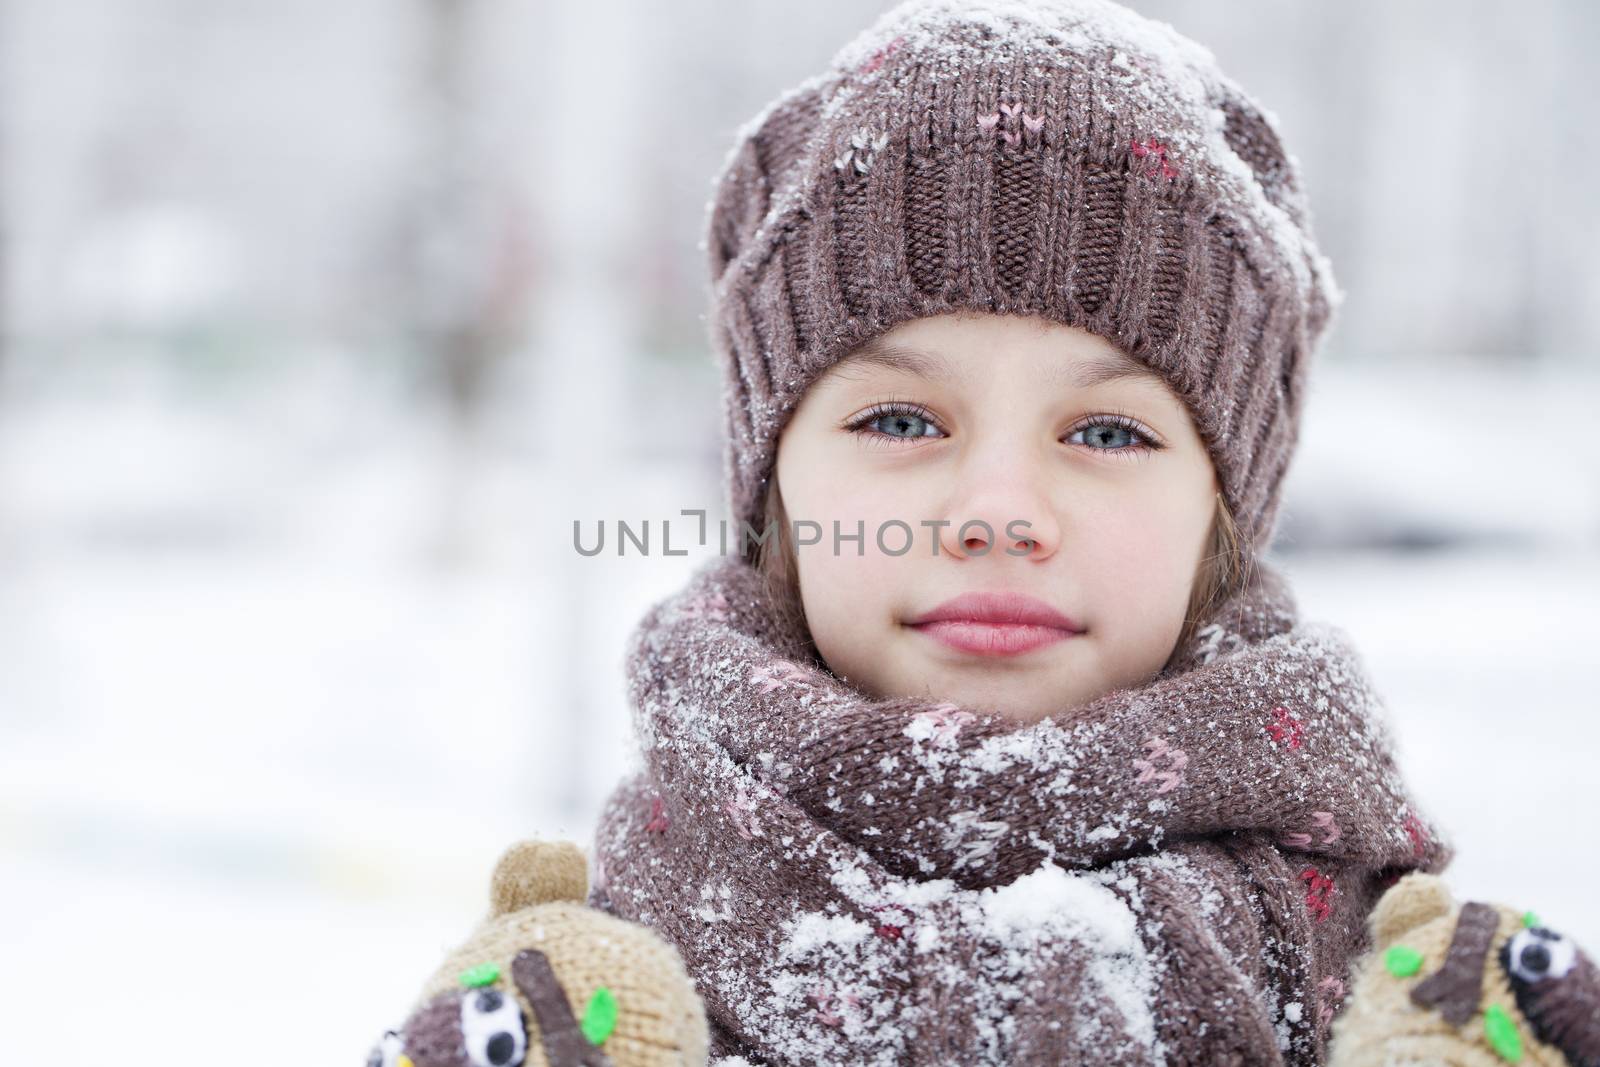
{"x": 1073, "y": 358}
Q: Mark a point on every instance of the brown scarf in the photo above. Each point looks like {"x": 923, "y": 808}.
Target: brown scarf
{"x": 1174, "y": 873}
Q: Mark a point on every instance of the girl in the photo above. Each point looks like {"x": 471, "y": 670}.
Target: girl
{"x": 999, "y": 742}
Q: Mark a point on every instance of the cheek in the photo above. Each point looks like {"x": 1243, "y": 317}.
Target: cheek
{"x": 849, "y": 585}
{"x": 826, "y": 498}
{"x": 1147, "y": 569}
{"x": 849, "y": 605}
{"x": 850, "y": 592}
{"x": 828, "y": 489}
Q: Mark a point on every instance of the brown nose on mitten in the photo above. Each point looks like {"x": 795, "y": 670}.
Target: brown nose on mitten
{"x": 1479, "y": 985}
{"x": 548, "y": 982}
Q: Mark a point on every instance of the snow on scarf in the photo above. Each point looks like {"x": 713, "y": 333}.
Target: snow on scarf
{"x": 1174, "y": 873}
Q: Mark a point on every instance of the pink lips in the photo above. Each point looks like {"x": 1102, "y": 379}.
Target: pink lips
{"x": 995, "y": 624}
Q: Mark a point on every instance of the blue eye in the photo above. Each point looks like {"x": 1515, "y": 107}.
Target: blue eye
{"x": 902, "y": 425}
{"x": 896, "y": 420}
{"x": 1108, "y": 435}
{"x": 1114, "y": 434}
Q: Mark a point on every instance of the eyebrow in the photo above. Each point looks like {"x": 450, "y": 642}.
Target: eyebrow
{"x": 928, "y": 365}
{"x": 1097, "y": 369}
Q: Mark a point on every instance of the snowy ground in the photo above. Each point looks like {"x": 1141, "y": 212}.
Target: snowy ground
{"x": 280, "y": 678}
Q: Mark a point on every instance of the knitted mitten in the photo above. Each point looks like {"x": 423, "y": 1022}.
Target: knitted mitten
{"x": 1474, "y": 985}
{"x": 547, "y": 982}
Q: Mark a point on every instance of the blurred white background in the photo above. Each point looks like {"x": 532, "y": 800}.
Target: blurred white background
{"x": 321, "y": 323}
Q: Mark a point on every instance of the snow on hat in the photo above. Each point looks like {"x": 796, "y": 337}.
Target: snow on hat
{"x": 1067, "y": 159}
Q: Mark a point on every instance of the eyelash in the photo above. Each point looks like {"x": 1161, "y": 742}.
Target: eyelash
{"x": 1113, "y": 417}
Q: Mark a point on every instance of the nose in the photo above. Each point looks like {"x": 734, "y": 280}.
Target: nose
{"x": 1001, "y": 504}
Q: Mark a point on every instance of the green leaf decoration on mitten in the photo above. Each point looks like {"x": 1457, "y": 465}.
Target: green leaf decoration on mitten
{"x": 1402, "y": 961}
{"x": 600, "y": 1017}
{"x": 1529, "y": 919}
{"x": 482, "y": 974}
{"x": 1502, "y": 1034}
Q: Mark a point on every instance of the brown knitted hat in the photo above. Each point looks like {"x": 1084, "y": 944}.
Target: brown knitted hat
{"x": 1061, "y": 158}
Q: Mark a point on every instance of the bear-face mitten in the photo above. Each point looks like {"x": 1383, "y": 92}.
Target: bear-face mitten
{"x": 1474, "y": 985}
{"x": 546, "y": 981}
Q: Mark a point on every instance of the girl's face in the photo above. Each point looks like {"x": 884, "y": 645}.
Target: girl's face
{"x": 1080, "y": 460}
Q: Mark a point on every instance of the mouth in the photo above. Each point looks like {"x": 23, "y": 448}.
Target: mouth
{"x": 995, "y": 624}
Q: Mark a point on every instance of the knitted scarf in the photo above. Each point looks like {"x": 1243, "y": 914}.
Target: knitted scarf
{"x": 1177, "y": 872}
